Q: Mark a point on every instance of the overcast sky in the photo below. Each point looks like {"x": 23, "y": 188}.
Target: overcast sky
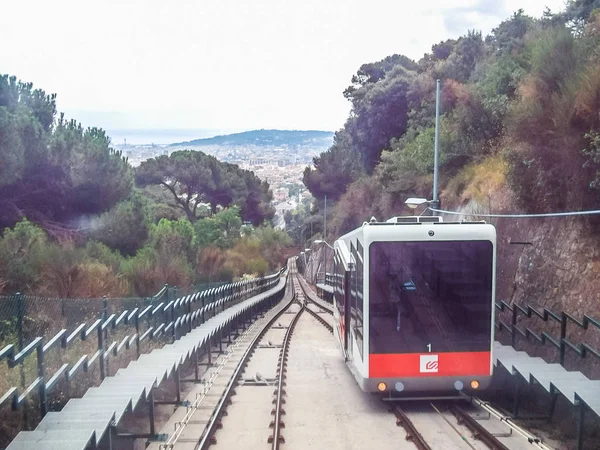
{"x": 223, "y": 64}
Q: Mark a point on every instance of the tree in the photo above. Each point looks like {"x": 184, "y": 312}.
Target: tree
{"x": 334, "y": 169}
{"x": 577, "y": 13}
{"x": 125, "y": 227}
{"x": 97, "y": 176}
{"x": 53, "y": 172}
{"x": 193, "y": 178}
{"x": 508, "y": 38}
{"x": 220, "y": 230}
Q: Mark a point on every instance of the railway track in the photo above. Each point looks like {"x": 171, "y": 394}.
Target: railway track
{"x": 462, "y": 426}
{"x": 245, "y": 393}
{"x": 499, "y": 433}
{"x": 196, "y": 425}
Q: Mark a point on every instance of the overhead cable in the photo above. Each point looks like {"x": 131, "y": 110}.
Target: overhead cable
{"x": 562, "y": 214}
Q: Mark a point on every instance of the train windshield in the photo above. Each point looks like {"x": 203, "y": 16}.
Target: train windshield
{"x": 433, "y": 296}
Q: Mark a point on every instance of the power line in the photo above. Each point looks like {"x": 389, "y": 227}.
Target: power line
{"x": 563, "y": 214}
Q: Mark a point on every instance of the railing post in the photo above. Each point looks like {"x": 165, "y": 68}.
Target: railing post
{"x": 105, "y": 337}
{"x": 101, "y": 349}
{"x": 174, "y": 332}
{"x": 20, "y": 316}
{"x": 137, "y": 333}
{"x": 563, "y": 336}
{"x": 189, "y": 311}
{"x": 41, "y": 374}
{"x": 513, "y": 326}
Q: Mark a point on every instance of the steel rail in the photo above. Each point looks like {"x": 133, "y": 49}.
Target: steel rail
{"x": 205, "y": 439}
{"x": 321, "y": 304}
{"x": 275, "y": 439}
{"x": 411, "y": 432}
{"x": 532, "y": 439}
{"x": 479, "y": 432}
{"x": 320, "y": 319}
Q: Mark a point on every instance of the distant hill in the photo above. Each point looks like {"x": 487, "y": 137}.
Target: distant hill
{"x": 267, "y": 138}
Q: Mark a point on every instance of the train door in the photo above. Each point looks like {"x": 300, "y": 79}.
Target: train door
{"x": 347, "y": 294}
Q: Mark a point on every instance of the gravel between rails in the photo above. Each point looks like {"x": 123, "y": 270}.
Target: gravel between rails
{"x": 325, "y": 409}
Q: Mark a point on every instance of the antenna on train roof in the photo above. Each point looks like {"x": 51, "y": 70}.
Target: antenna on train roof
{"x": 373, "y": 219}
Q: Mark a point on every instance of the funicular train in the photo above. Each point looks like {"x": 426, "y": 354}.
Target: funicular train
{"x": 413, "y": 305}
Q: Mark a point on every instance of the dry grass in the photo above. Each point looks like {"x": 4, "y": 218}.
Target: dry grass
{"x": 478, "y": 182}
{"x": 587, "y": 99}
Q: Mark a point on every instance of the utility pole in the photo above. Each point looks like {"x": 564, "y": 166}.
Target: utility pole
{"x": 435, "y": 203}
{"x": 325, "y": 222}
{"x": 325, "y": 238}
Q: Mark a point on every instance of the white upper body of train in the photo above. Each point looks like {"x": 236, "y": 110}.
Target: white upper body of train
{"x": 414, "y": 299}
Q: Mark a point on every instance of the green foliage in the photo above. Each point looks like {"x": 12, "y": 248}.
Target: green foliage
{"x": 220, "y": 230}
{"x": 381, "y": 114}
{"x": 461, "y": 62}
{"x": 96, "y": 251}
{"x": 273, "y": 242}
{"x": 194, "y": 178}
{"x": 125, "y": 227}
{"x": 72, "y": 185}
{"x": 21, "y": 251}
{"x": 301, "y": 225}
{"x": 523, "y": 101}
{"x": 173, "y": 237}
{"x": 97, "y": 176}
{"x": 592, "y": 152}
{"x": 508, "y": 38}
{"x": 53, "y": 172}
{"x": 547, "y": 124}
{"x": 334, "y": 169}
{"x": 577, "y": 13}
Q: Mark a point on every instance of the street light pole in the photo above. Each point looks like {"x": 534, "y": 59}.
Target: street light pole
{"x": 435, "y": 203}
{"x": 325, "y": 221}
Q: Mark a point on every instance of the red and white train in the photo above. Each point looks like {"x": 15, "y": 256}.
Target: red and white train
{"x": 414, "y": 302}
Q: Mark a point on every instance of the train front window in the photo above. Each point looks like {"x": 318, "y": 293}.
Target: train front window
{"x": 430, "y": 296}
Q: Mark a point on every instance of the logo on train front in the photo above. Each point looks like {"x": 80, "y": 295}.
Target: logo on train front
{"x": 429, "y": 363}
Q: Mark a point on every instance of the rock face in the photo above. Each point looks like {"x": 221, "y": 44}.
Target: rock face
{"x": 555, "y": 265}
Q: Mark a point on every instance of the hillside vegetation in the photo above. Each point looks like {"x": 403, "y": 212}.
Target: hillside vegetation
{"x": 77, "y": 220}
{"x": 267, "y": 138}
{"x": 519, "y": 127}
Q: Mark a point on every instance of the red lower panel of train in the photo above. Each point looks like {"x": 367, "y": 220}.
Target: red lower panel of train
{"x": 429, "y": 364}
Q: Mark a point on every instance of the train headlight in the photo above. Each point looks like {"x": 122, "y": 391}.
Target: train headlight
{"x": 381, "y": 387}
{"x": 474, "y": 384}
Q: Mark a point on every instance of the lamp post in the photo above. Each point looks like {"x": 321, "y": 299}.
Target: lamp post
{"x": 413, "y": 203}
{"x": 435, "y": 203}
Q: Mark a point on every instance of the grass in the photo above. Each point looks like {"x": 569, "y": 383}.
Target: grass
{"x": 478, "y": 181}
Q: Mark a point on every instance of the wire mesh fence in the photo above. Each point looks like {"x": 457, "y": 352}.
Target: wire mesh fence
{"x": 48, "y": 342}
{"x": 23, "y": 318}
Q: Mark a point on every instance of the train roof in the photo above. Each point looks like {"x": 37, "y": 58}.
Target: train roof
{"x": 406, "y": 220}
{"x": 410, "y": 225}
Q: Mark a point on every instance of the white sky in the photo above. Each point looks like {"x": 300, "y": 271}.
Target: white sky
{"x": 222, "y": 63}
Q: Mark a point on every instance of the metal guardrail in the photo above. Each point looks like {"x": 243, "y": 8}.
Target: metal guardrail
{"x": 562, "y": 343}
{"x": 163, "y": 319}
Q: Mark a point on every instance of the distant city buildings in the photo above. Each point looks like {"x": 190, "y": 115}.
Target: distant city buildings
{"x": 280, "y": 166}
